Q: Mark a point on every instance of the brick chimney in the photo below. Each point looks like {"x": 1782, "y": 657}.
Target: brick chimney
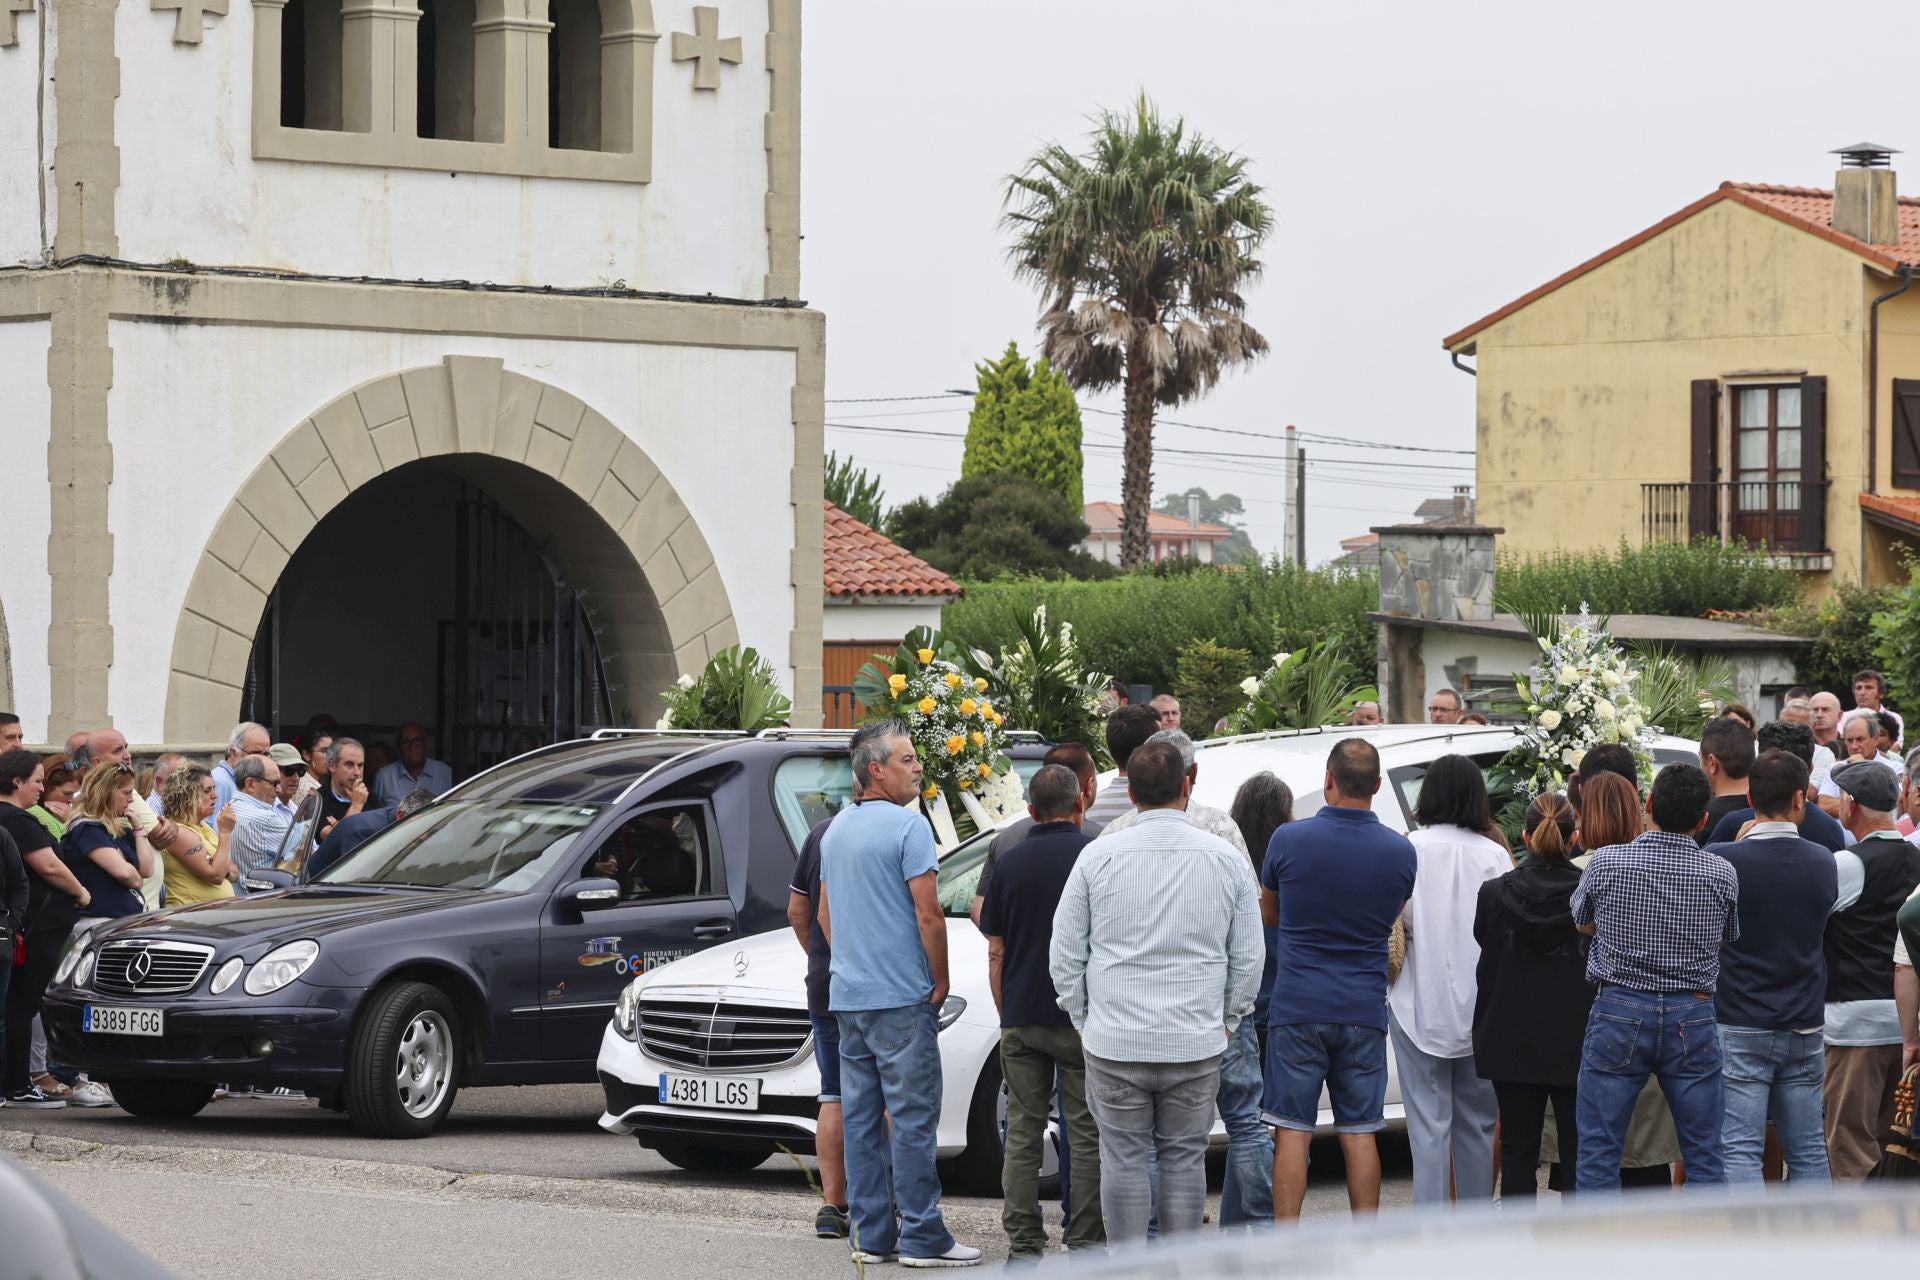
{"x": 1865, "y": 205}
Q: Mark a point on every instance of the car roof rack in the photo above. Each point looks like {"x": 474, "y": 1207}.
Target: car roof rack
{"x": 834, "y": 735}
{"x": 1440, "y": 733}
{"x": 602, "y": 735}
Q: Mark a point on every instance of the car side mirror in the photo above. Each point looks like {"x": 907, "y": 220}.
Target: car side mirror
{"x": 267, "y": 879}
{"x": 594, "y": 894}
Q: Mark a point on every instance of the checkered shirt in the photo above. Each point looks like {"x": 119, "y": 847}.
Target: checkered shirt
{"x": 1662, "y": 907}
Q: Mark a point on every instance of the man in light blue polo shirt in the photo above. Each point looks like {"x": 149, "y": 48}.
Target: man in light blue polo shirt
{"x": 888, "y": 977}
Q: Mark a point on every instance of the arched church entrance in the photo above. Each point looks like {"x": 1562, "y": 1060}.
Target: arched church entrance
{"x": 460, "y": 546}
{"x": 471, "y": 624}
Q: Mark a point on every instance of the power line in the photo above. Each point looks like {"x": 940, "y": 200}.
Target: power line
{"x": 1176, "y": 422}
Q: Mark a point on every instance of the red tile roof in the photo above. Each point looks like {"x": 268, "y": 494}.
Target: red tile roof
{"x": 1104, "y": 517}
{"x": 1900, "y": 513}
{"x": 861, "y": 561}
{"x": 1809, "y": 209}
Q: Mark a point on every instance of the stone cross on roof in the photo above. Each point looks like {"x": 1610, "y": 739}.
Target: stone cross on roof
{"x": 190, "y": 23}
{"x": 9, "y": 20}
{"x": 704, "y": 47}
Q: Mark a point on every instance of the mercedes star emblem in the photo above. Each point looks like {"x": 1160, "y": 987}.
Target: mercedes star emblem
{"x": 139, "y": 967}
{"x": 739, "y": 964}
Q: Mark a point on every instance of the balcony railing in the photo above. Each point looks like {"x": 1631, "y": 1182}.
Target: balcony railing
{"x": 1781, "y": 515}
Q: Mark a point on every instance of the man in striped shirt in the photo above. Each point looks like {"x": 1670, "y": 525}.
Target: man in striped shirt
{"x": 1127, "y": 728}
{"x": 1156, "y": 957}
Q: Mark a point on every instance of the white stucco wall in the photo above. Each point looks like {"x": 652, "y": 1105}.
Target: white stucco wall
{"x": 25, "y": 591}
{"x": 20, "y": 77}
{"x": 190, "y": 188}
{"x": 194, "y": 408}
{"x": 1499, "y": 659}
{"x": 844, "y": 622}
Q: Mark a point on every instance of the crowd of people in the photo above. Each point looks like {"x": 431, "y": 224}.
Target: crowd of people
{"x": 1703, "y": 977}
{"x": 87, "y": 835}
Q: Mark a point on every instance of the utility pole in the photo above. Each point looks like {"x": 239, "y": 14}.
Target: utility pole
{"x": 1300, "y": 507}
{"x": 1288, "y": 496}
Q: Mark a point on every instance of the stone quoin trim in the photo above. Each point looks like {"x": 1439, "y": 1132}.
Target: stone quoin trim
{"x": 466, "y": 405}
{"x": 783, "y": 150}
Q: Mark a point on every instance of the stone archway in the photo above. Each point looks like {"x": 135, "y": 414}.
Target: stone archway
{"x": 669, "y": 602}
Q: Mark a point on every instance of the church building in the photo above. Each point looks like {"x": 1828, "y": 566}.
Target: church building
{"x": 437, "y": 361}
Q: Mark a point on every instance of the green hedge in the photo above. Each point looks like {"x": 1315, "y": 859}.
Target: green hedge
{"x": 1665, "y": 578}
{"x": 1135, "y": 626}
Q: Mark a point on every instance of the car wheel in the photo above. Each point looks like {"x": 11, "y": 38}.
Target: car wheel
{"x": 160, "y": 1099}
{"x": 713, "y": 1159}
{"x": 403, "y": 1064}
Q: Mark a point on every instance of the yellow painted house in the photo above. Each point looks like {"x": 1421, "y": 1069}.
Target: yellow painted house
{"x": 1746, "y": 369}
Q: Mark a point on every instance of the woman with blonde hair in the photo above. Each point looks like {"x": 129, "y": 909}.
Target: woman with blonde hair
{"x": 109, "y": 858}
{"x": 1530, "y": 1014}
{"x": 199, "y": 864}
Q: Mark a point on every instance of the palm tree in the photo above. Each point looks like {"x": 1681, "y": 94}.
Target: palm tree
{"x": 1140, "y": 249}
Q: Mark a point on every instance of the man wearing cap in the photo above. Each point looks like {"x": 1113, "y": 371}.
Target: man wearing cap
{"x": 293, "y": 774}
{"x": 1863, "y": 1030}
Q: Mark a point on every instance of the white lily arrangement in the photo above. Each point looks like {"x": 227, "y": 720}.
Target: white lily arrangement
{"x": 1579, "y": 695}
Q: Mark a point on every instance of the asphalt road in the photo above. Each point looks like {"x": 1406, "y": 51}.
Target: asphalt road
{"x": 519, "y": 1182}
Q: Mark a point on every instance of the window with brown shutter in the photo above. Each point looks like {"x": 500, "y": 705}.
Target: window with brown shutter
{"x": 1906, "y": 433}
{"x": 1813, "y": 464}
{"x": 1703, "y": 506}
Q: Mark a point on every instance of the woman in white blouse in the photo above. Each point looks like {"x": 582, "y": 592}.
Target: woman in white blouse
{"x": 1450, "y": 1110}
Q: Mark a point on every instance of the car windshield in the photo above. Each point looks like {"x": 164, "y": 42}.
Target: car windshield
{"x": 505, "y": 846}
{"x": 959, "y": 876}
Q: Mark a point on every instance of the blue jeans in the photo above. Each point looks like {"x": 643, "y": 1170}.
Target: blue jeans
{"x": 890, "y": 1065}
{"x": 1777, "y": 1076}
{"x": 1350, "y": 1062}
{"x": 1630, "y": 1036}
{"x": 1246, "y": 1195}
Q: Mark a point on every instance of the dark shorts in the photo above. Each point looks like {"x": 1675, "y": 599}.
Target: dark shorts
{"x": 1349, "y": 1061}
{"x": 826, "y": 1054}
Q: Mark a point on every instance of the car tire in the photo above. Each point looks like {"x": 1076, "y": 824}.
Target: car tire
{"x": 976, "y": 1171}
{"x": 713, "y": 1159}
{"x": 403, "y": 1064}
{"x": 160, "y": 1099}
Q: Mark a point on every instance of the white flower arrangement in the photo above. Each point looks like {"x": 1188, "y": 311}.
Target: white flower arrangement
{"x": 1580, "y": 695}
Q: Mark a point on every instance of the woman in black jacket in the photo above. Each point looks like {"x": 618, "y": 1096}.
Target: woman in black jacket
{"x": 1530, "y": 1014}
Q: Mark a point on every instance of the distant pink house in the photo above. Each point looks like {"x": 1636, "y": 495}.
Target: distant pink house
{"x": 1171, "y": 536}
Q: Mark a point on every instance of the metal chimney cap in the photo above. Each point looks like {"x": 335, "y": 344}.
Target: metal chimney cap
{"x": 1865, "y": 155}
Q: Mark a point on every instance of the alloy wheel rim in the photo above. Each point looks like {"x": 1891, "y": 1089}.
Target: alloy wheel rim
{"x": 423, "y": 1064}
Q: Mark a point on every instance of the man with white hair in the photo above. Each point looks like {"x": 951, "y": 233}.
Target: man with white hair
{"x": 1861, "y": 735}
{"x": 163, "y": 768}
{"x": 1800, "y": 711}
{"x": 247, "y": 739}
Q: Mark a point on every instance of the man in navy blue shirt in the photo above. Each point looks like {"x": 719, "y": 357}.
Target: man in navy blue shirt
{"x": 803, "y": 914}
{"x": 1333, "y": 885}
{"x": 1771, "y": 1002}
{"x": 1037, "y": 1038}
{"x": 1818, "y": 825}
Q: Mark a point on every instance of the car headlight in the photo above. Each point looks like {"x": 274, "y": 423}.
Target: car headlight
{"x": 282, "y": 965}
{"x": 229, "y": 973}
{"x": 83, "y": 971}
{"x": 69, "y": 960}
{"x": 626, "y": 1012}
{"x": 950, "y": 1010}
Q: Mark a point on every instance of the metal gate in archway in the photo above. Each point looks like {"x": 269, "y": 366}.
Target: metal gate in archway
{"x": 518, "y": 664}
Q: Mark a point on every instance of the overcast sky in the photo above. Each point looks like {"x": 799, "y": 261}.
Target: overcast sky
{"x": 1426, "y": 164}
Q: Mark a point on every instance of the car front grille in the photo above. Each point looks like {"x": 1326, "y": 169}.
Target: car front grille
{"x": 149, "y": 968}
{"x": 717, "y": 1036}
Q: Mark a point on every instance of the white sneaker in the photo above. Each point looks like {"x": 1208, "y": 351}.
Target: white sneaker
{"x": 961, "y": 1255}
{"x": 88, "y": 1094}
